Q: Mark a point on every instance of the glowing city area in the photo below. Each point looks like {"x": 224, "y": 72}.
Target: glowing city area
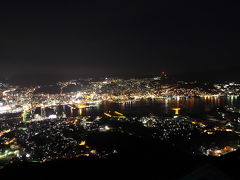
{"x": 105, "y": 118}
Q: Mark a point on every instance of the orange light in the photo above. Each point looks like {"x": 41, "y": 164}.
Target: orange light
{"x": 82, "y": 143}
{"x": 109, "y": 115}
{"x": 176, "y": 110}
{"x": 118, "y": 113}
{"x": 209, "y": 132}
{"x": 75, "y": 122}
{"x": 94, "y": 151}
{"x": 9, "y": 142}
{"x": 81, "y": 106}
{"x": 201, "y": 124}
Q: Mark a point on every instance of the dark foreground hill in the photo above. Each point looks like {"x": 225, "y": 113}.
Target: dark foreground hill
{"x": 164, "y": 166}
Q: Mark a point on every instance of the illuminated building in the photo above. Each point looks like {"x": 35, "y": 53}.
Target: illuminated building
{"x": 27, "y": 115}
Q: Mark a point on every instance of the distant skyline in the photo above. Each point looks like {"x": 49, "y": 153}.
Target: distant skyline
{"x": 118, "y": 38}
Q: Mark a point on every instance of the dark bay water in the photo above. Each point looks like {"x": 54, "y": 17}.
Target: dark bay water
{"x": 189, "y": 106}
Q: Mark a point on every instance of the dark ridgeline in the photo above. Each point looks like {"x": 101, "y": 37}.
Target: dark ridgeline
{"x": 33, "y": 79}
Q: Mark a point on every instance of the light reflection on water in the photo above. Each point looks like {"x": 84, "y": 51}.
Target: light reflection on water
{"x": 188, "y": 106}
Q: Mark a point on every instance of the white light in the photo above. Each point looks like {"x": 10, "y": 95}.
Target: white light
{"x": 27, "y": 155}
{"x": 79, "y": 94}
{"x": 4, "y": 109}
{"x": 107, "y": 128}
{"x": 53, "y": 116}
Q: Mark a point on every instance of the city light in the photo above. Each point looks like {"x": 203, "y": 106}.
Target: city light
{"x": 42, "y": 127}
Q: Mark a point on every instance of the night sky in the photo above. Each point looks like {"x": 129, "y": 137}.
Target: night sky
{"x": 118, "y": 38}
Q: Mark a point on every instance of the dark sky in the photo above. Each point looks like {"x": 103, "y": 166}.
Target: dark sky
{"x": 118, "y": 38}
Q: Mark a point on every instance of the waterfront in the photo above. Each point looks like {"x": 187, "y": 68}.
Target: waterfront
{"x": 189, "y": 106}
